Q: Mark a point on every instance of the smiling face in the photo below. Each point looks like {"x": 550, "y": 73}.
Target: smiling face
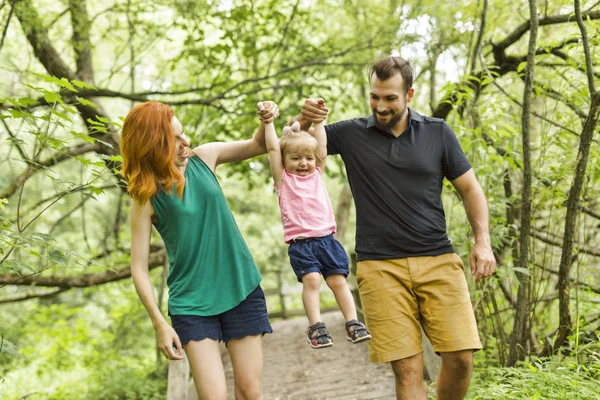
{"x": 389, "y": 100}
{"x": 299, "y": 156}
{"x": 181, "y": 153}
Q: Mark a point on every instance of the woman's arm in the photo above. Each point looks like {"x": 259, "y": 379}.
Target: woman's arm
{"x": 217, "y": 153}
{"x": 141, "y": 227}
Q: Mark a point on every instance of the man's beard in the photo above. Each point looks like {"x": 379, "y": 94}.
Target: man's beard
{"x": 392, "y": 122}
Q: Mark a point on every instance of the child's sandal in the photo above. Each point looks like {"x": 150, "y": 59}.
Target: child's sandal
{"x": 318, "y": 337}
{"x": 358, "y": 333}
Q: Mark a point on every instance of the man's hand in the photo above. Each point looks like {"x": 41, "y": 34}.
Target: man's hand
{"x": 314, "y": 110}
{"x": 483, "y": 262}
{"x": 169, "y": 343}
{"x": 267, "y": 111}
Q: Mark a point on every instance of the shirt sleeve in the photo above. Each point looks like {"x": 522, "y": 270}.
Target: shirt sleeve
{"x": 337, "y": 135}
{"x": 454, "y": 160}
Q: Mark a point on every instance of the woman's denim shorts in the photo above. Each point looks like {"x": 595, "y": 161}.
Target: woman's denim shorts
{"x": 247, "y": 318}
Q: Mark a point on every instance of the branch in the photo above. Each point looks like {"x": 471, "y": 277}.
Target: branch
{"x": 156, "y": 259}
{"x": 27, "y": 296}
{"x": 589, "y": 67}
{"x": 511, "y": 98}
{"x": 573, "y": 281}
{"x": 37, "y": 36}
{"x": 590, "y": 212}
{"x": 555, "y": 242}
{"x": 10, "y": 13}
{"x": 20, "y": 149}
{"x": 522, "y": 29}
{"x": 51, "y": 161}
{"x": 81, "y": 40}
{"x": 477, "y": 48}
{"x": 503, "y": 64}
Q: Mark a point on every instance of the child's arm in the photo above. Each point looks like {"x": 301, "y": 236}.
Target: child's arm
{"x": 321, "y": 144}
{"x": 273, "y": 150}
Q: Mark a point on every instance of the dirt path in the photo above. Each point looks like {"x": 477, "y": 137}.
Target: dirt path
{"x": 295, "y": 371}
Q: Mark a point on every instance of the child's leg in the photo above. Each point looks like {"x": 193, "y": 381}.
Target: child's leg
{"x": 356, "y": 331}
{"x": 311, "y": 287}
{"x": 338, "y": 285}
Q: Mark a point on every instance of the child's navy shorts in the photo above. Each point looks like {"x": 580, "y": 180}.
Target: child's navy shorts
{"x": 247, "y": 318}
{"x": 320, "y": 254}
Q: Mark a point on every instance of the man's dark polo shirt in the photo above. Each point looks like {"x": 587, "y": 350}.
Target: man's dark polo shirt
{"x": 397, "y": 183}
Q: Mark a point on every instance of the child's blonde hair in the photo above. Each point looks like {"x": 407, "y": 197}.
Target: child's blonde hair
{"x": 292, "y": 134}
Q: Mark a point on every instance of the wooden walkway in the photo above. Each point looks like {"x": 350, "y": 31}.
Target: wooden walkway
{"x": 294, "y": 371}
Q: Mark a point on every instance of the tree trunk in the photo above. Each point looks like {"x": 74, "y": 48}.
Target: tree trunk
{"x": 589, "y": 127}
{"x": 342, "y": 212}
{"x": 521, "y": 326}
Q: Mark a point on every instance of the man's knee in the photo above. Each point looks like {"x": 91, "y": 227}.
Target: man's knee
{"x": 408, "y": 371}
{"x": 459, "y": 361}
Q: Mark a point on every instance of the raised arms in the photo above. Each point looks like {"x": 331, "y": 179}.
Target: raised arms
{"x": 217, "y": 153}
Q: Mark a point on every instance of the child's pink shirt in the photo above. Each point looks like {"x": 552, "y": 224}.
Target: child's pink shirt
{"x": 305, "y": 206}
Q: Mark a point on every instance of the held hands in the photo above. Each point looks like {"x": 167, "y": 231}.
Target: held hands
{"x": 314, "y": 110}
{"x": 482, "y": 260}
{"x": 169, "y": 343}
{"x": 267, "y": 111}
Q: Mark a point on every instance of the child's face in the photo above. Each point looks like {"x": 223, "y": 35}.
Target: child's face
{"x": 299, "y": 158}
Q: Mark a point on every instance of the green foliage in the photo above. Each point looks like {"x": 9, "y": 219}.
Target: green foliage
{"x": 548, "y": 381}
{"x": 63, "y": 214}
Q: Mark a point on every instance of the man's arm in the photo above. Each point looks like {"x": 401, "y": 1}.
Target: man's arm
{"x": 321, "y": 137}
{"x": 482, "y": 258}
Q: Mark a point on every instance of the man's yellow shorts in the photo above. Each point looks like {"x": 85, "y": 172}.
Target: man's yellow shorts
{"x": 402, "y": 295}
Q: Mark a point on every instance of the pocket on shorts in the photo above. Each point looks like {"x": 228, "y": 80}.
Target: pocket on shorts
{"x": 457, "y": 261}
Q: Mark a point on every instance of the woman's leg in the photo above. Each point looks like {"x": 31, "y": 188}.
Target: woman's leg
{"x": 311, "y": 288}
{"x": 207, "y": 369}
{"x": 247, "y": 359}
{"x": 338, "y": 285}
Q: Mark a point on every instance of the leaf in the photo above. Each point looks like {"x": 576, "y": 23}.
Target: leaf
{"x": 20, "y": 114}
{"x": 64, "y": 82}
{"x": 18, "y": 266}
{"x": 83, "y": 136}
{"x": 81, "y": 84}
{"x": 3, "y": 201}
{"x": 88, "y": 103}
{"x": 52, "y": 97}
{"x": 8, "y": 347}
{"x": 61, "y": 115}
{"x": 59, "y": 257}
{"x": 96, "y": 190}
{"x": 522, "y": 270}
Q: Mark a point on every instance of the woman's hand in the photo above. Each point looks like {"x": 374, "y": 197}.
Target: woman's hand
{"x": 267, "y": 111}
{"x": 169, "y": 343}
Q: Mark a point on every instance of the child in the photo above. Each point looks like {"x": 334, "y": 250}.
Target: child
{"x": 297, "y": 163}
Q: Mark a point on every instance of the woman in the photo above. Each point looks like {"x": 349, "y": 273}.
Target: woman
{"x": 214, "y": 285}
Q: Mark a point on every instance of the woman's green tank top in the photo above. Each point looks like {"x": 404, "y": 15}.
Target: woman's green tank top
{"x": 211, "y": 269}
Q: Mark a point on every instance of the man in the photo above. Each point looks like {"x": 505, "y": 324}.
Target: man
{"x": 408, "y": 274}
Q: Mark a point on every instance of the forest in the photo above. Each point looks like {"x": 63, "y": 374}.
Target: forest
{"x": 517, "y": 81}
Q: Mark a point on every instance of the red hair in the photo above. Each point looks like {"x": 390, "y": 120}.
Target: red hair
{"x": 147, "y": 146}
